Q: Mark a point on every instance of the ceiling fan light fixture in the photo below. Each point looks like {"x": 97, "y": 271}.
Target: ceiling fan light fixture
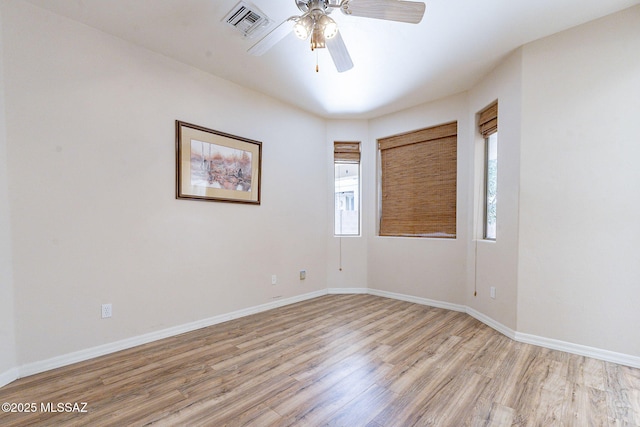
{"x": 303, "y": 27}
{"x": 329, "y": 26}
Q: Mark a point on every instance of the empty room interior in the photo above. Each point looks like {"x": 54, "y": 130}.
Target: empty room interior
{"x": 429, "y": 217}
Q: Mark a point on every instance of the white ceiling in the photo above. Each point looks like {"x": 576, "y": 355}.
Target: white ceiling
{"x": 397, "y": 65}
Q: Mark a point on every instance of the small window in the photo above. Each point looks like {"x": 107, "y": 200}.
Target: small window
{"x": 491, "y": 186}
{"x": 347, "y": 188}
{"x": 488, "y": 127}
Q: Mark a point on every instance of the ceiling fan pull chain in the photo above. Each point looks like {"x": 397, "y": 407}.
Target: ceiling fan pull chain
{"x": 317, "y": 68}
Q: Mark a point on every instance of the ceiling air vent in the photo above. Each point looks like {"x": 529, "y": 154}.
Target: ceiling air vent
{"x": 247, "y": 19}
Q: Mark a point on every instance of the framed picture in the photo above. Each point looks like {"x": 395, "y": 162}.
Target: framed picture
{"x": 215, "y": 166}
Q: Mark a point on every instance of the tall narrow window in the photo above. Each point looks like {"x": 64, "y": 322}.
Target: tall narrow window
{"x": 346, "y": 157}
{"x": 488, "y": 124}
{"x": 418, "y": 175}
{"x": 491, "y": 186}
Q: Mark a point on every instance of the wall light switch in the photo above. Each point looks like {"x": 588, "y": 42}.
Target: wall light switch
{"x": 274, "y": 279}
{"x": 492, "y": 292}
{"x": 303, "y": 274}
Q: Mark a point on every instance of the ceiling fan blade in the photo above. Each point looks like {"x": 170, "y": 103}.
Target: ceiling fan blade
{"x": 390, "y": 10}
{"x": 339, "y": 53}
{"x": 268, "y": 41}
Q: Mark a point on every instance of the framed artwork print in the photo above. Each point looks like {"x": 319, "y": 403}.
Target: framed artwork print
{"x": 216, "y": 166}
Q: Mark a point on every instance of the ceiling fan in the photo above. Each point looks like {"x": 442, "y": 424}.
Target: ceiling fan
{"x": 323, "y": 31}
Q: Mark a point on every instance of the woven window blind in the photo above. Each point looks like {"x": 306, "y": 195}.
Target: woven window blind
{"x": 346, "y": 152}
{"x": 418, "y": 183}
{"x": 488, "y": 120}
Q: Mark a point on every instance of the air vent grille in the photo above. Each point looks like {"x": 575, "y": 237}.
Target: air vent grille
{"x": 247, "y": 19}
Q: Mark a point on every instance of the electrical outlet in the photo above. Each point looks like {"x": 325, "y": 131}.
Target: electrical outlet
{"x": 274, "y": 279}
{"x": 303, "y": 274}
{"x": 106, "y": 311}
{"x": 492, "y": 292}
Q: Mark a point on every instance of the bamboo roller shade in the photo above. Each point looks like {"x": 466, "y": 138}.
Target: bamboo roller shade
{"x": 488, "y": 120}
{"x": 419, "y": 175}
{"x": 346, "y": 152}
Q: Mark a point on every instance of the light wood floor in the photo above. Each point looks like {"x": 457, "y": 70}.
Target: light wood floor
{"x": 338, "y": 360}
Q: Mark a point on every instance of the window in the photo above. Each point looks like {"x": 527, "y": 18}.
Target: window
{"x": 346, "y": 157}
{"x": 488, "y": 125}
{"x": 491, "y": 186}
{"x": 418, "y": 176}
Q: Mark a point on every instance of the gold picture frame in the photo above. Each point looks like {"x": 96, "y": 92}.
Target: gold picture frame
{"x": 216, "y": 166}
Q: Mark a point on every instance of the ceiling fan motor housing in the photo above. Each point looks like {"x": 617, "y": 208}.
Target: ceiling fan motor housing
{"x": 306, "y": 6}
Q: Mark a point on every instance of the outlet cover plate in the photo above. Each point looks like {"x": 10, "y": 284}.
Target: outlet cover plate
{"x": 106, "y": 311}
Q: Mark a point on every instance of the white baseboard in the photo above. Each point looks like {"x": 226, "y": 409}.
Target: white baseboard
{"x": 9, "y": 376}
{"x": 335, "y": 291}
{"x": 418, "y": 300}
{"x": 504, "y": 330}
{"x": 101, "y": 350}
{"x": 581, "y": 350}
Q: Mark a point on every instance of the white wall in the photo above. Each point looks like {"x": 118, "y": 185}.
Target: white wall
{"x": 422, "y": 267}
{"x": 90, "y": 131}
{"x": 347, "y": 256}
{"x": 497, "y": 261}
{"x": 579, "y": 262}
{"x": 7, "y": 338}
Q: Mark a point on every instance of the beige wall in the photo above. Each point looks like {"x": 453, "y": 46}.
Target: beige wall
{"x": 90, "y": 124}
{"x": 426, "y": 268}
{"x": 579, "y": 263}
{"x": 445, "y": 270}
{"x": 350, "y": 252}
{"x": 497, "y": 261}
{"x": 564, "y": 265}
{"x": 7, "y": 327}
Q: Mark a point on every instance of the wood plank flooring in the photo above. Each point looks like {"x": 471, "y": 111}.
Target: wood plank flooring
{"x": 337, "y": 360}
